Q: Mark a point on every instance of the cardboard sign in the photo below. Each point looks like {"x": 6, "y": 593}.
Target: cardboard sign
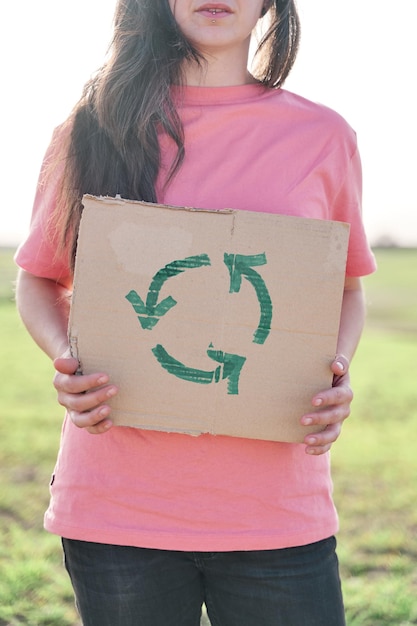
{"x": 221, "y": 322}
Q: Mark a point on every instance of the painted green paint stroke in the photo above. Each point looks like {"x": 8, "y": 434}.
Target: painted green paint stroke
{"x": 229, "y": 368}
{"x": 150, "y": 313}
{"x": 241, "y": 265}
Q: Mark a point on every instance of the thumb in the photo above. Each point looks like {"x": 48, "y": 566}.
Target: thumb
{"x": 340, "y": 365}
{"x": 66, "y": 364}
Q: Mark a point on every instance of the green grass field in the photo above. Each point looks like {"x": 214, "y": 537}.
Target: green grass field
{"x": 374, "y": 464}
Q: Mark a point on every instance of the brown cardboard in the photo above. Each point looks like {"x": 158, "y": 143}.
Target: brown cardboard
{"x": 241, "y": 322}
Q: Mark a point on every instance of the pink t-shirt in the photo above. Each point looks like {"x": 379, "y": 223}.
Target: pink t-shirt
{"x": 251, "y": 149}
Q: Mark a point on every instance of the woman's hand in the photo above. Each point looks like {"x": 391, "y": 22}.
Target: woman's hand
{"x": 84, "y": 396}
{"x": 333, "y": 407}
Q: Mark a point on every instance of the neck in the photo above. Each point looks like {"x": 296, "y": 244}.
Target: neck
{"x": 219, "y": 70}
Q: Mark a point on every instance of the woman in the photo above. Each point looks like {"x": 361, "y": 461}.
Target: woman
{"x": 154, "y": 524}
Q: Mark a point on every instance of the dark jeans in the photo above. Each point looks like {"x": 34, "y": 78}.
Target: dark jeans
{"x": 124, "y": 586}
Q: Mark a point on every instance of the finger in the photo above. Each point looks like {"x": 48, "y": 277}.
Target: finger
{"x": 100, "y": 428}
{"x": 340, "y": 394}
{"x": 319, "y": 443}
{"x": 86, "y": 401}
{"x": 70, "y": 383}
{"x": 340, "y": 365}
{"x": 333, "y": 415}
{"x": 66, "y": 365}
{"x": 95, "y": 421}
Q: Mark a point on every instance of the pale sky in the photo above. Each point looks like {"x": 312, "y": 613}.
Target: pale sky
{"x": 358, "y": 57}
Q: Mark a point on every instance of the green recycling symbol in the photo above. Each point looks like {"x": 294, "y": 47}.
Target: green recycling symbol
{"x": 150, "y": 311}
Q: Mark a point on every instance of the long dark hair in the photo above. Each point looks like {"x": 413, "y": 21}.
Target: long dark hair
{"x": 112, "y": 146}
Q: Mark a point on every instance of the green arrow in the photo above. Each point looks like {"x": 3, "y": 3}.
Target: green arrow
{"x": 241, "y": 265}
{"x": 232, "y": 366}
{"x": 149, "y": 313}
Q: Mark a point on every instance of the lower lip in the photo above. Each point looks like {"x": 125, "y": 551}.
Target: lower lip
{"x": 214, "y": 16}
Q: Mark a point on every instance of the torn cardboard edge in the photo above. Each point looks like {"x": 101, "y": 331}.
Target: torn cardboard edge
{"x": 209, "y": 321}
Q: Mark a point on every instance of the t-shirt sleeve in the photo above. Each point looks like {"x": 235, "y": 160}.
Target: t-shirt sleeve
{"x": 347, "y": 207}
{"x": 37, "y": 254}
